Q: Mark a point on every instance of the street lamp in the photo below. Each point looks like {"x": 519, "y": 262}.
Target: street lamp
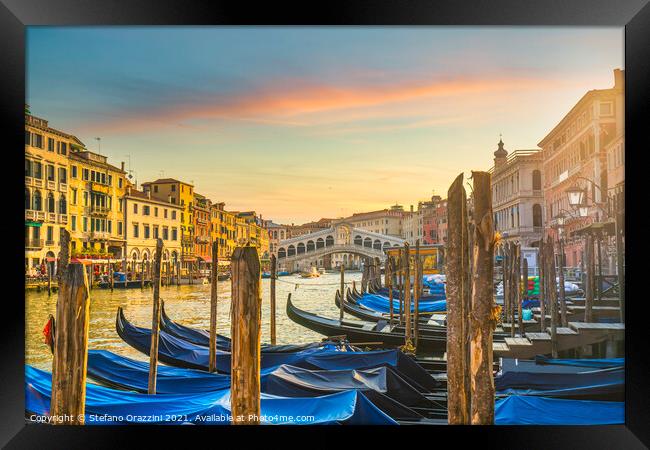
{"x": 576, "y": 196}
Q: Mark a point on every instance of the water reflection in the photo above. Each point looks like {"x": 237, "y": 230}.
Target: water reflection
{"x": 189, "y": 305}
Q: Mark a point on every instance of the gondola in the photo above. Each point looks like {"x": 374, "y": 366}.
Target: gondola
{"x": 202, "y": 337}
{"x": 367, "y": 334}
{"x": 352, "y": 307}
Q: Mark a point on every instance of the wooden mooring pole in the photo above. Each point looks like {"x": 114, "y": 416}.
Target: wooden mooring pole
{"x": 67, "y": 405}
{"x": 589, "y": 291}
{"x": 408, "y": 342}
{"x": 341, "y": 309}
{"x": 483, "y": 320}
{"x": 552, "y": 297}
{"x": 212, "y": 357}
{"x": 458, "y": 388}
{"x": 389, "y": 284}
{"x": 524, "y": 294}
{"x": 155, "y": 320}
{"x": 542, "y": 286}
{"x": 274, "y": 274}
{"x": 562, "y": 293}
{"x": 245, "y": 331}
{"x": 417, "y": 279}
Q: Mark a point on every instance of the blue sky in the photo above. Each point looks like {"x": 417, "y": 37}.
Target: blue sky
{"x": 301, "y": 123}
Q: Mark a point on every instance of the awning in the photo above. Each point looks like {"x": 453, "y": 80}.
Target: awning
{"x": 206, "y": 259}
{"x": 608, "y": 228}
{"x": 30, "y": 223}
{"x": 50, "y": 259}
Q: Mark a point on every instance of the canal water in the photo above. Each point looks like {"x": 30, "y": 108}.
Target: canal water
{"x": 188, "y": 305}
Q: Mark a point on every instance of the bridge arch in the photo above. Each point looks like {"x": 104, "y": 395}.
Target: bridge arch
{"x": 367, "y": 242}
{"x": 358, "y": 240}
{"x": 282, "y": 253}
{"x": 310, "y": 246}
{"x": 291, "y": 250}
{"x": 301, "y": 248}
{"x": 329, "y": 241}
{"x": 376, "y": 244}
{"x": 320, "y": 243}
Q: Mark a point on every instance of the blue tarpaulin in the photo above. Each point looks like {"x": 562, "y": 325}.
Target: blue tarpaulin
{"x": 382, "y": 304}
{"x": 106, "y": 406}
{"x": 531, "y": 410}
{"x": 599, "y": 384}
{"x": 592, "y": 363}
{"x": 435, "y": 294}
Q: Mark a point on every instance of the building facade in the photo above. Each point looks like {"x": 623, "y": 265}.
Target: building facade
{"x": 46, "y": 189}
{"x": 202, "y": 228}
{"x": 96, "y": 190}
{"x": 517, "y": 196}
{"x": 579, "y": 151}
{"x": 146, "y": 219}
{"x": 179, "y": 193}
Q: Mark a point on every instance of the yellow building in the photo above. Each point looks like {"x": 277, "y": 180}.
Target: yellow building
{"x": 46, "y": 189}
{"x": 147, "y": 219}
{"x": 218, "y": 231}
{"x": 96, "y": 190}
{"x": 177, "y": 193}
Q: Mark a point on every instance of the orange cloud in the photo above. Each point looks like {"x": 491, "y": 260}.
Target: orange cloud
{"x": 282, "y": 103}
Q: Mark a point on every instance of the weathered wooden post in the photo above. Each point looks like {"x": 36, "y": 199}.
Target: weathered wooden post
{"x": 389, "y": 284}
{"x": 178, "y": 273}
{"x": 589, "y": 291}
{"x": 523, "y": 295}
{"x": 212, "y": 356}
{"x": 110, "y": 275}
{"x": 458, "y": 388}
{"x": 142, "y": 274}
{"x": 408, "y": 344}
{"x": 378, "y": 269}
{"x": 245, "y": 331}
{"x": 599, "y": 284}
{"x": 64, "y": 256}
{"x": 364, "y": 277}
{"x": 89, "y": 276}
{"x": 505, "y": 246}
{"x": 542, "y": 285}
{"x": 341, "y": 309}
{"x": 620, "y": 261}
{"x": 67, "y": 405}
{"x": 49, "y": 277}
{"x": 155, "y": 320}
{"x": 416, "y": 293}
{"x": 560, "y": 250}
{"x": 400, "y": 292}
{"x": 274, "y": 272}
{"x": 550, "y": 269}
{"x": 483, "y": 318}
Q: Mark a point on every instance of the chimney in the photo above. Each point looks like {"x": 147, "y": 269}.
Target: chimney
{"x": 619, "y": 79}
{"x": 122, "y": 166}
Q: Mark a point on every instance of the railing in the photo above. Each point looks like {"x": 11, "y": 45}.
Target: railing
{"x": 33, "y": 243}
{"x": 38, "y": 182}
{"x": 51, "y": 217}
{"x": 100, "y": 235}
{"x": 29, "y": 181}
{"x": 51, "y": 184}
{"x": 30, "y": 214}
{"x": 63, "y": 187}
{"x": 49, "y": 243}
{"x": 99, "y": 210}
{"x": 63, "y": 219}
{"x": 350, "y": 248}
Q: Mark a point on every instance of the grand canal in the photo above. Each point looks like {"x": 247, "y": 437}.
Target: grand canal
{"x": 188, "y": 305}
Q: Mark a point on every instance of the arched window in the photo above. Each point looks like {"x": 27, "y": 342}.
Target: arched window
{"x": 37, "y": 201}
{"x": 291, "y": 250}
{"x": 174, "y": 256}
{"x": 37, "y": 170}
{"x": 301, "y": 248}
{"x": 329, "y": 241}
{"x": 50, "y": 202}
{"x": 537, "y": 215}
{"x": 62, "y": 205}
{"x": 537, "y": 180}
{"x": 358, "y": 240}
{"x": 377, "y": 244}
{"x": 282, "y": 253}
{"x": 310, "y": 246}
{"x": 135, "y": 254}
{"x": 28, "y": 168}
{"x": 386, "y": 244}
{"x": 320, "y": 243}
{"x": 50, "y": 172}
{"x": 28, "y": 199}
{"x": 367, "y": 242}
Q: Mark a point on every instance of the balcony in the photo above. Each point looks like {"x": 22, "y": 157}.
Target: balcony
{"x": 51, "y": 184}
{"x": 187, "y": 241}
{"x": 37, "y": 182}
{"x": 98, "y": 210}
{"x": 63, "y": 219}
{"x": 202, "y": 240}
{"x": 49, "y": 243}
{"x": 33, "y": 243}
{"x": 29, "y": 181}
{"x": 99, "y": 235}
{"x": 30, "y": 214}
{"x": 51, "y": 217}
{"x": 63, "y": 187}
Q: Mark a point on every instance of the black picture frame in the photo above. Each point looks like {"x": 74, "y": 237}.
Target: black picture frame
{"x": 634, "y": 15}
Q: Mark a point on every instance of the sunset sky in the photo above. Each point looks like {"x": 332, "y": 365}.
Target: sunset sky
{"x": 302, "y": 123}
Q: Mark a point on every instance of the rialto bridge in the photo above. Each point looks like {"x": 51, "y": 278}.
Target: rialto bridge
{"x": 340, "y": 238}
